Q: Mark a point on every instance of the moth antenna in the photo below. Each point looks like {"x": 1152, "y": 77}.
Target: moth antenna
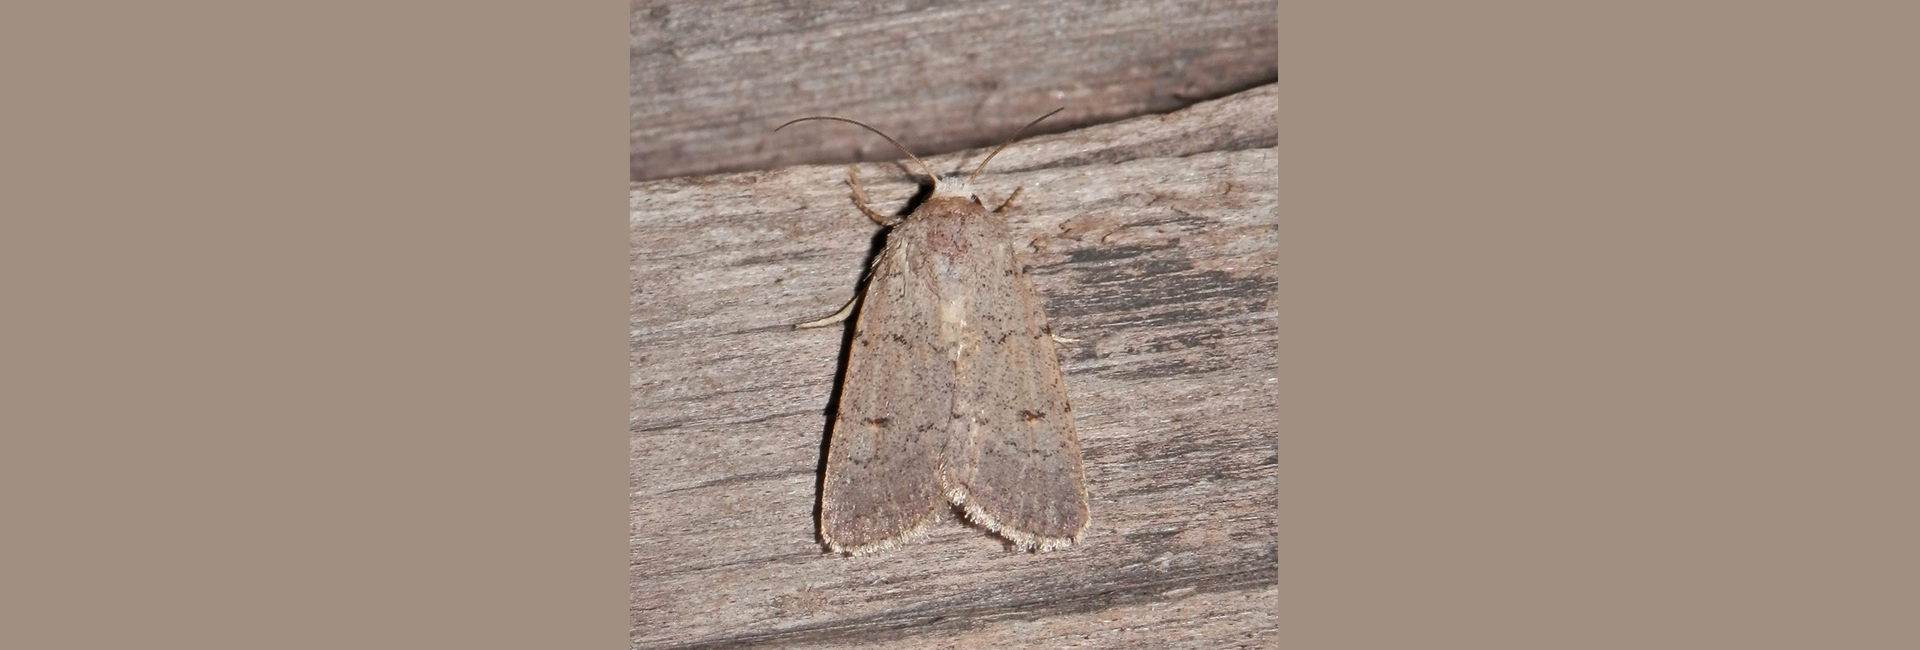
{"x": 896, "y": 143}
{"x": 1016, "y": 136}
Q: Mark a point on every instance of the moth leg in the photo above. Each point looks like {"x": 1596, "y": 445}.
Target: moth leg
{"x": 860, "y": 199}
{"x": 837, "y": 316}
{"x": 1056, "y": 337}
{"x": 1010, "y": 198}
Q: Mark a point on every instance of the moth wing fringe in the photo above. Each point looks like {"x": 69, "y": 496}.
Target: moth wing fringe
{"x": 1024, "y": 540}
{"x": 910, "y": 534}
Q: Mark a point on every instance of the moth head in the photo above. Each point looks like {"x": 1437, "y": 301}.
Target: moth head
{"x": 955, "y": 186}
{"x": 964, "y": 188}
{"x": 952, "y": 186}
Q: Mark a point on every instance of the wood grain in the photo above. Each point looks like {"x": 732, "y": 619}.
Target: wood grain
{"x": 1154, "y": 242}
{"x": 710, "y": 78}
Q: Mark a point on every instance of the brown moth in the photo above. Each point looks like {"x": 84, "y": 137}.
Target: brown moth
{"x": 953, "y": 392}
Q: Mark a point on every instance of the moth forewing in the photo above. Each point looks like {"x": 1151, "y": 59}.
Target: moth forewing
{"x": 879, "y": 484}
{"x": 1024, "y": 479}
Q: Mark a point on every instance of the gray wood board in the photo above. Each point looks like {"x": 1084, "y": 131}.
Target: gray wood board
{"x": 709, "y": 79}
{"x": 1154, "y": 242}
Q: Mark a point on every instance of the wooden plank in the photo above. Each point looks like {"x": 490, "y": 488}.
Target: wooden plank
{"x": 1153, "y": 240}
{"x": 710, "y": 78}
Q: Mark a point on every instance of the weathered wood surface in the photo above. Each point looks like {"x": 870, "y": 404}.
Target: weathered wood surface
{"x": 1154, "y": 242}
{"x": 710, "y": 78}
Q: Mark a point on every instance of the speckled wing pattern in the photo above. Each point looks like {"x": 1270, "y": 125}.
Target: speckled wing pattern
{"x": 1010, "y": 405}
{"x": 953, "y": 393}
{"x": 881, "y": 483}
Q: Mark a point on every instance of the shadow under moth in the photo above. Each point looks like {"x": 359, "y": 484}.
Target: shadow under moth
{"x": 952, "y": 392}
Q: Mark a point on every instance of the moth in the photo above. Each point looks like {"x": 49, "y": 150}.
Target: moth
{"x": 952, "y": 394}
